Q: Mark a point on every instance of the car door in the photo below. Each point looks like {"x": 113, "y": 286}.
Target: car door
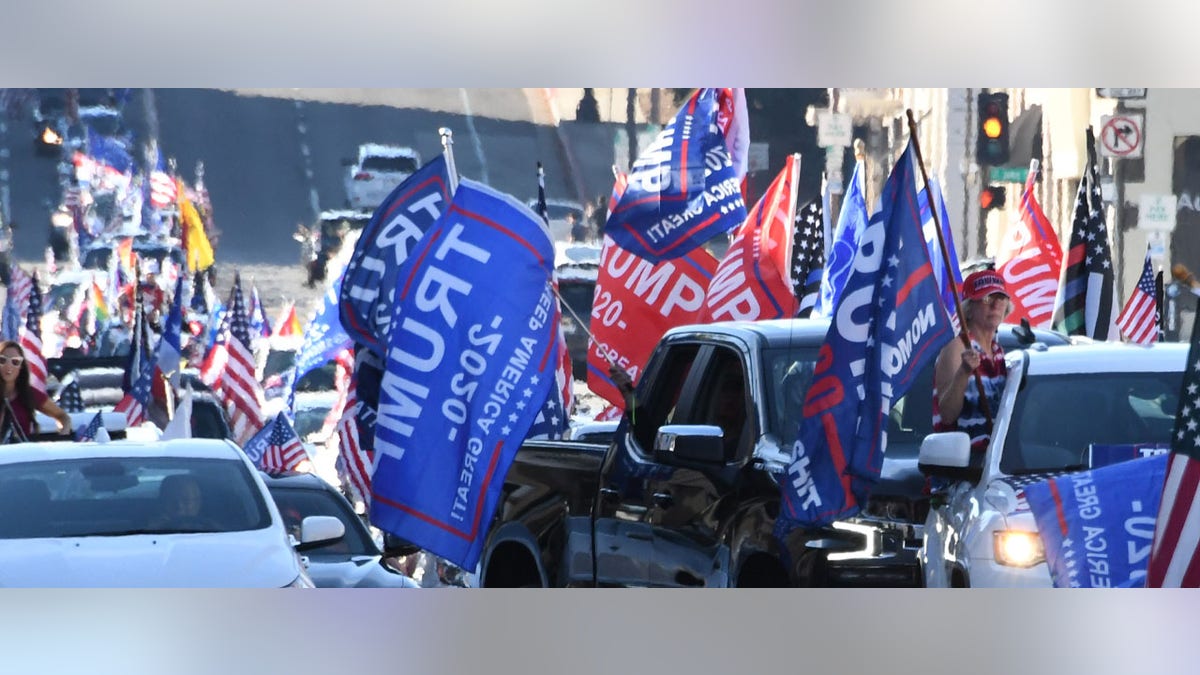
{"x": 685, "y": 510}
{"x": 623, "y": 539}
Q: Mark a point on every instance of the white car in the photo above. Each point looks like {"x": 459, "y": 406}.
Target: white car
{"x": 376, "y": 172}
{"x": 105, "y": 514}
{"x": 1057, "y": 403}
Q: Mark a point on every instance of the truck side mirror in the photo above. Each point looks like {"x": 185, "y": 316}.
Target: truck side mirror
{"x": 318, "y": 530}
{"x": 948, "y": 455}
{"x": 690, "y": 443}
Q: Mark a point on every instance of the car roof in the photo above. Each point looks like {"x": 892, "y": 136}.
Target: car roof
{"x": 1112, "y": 357}
{"x": 198, "y": 448}
{"x": 345, "y": 214}
{"x": 381, "y": 150}
{"x": 784, "y": 332}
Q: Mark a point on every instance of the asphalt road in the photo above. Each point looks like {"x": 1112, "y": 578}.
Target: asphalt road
{"x": 273, "y": 158}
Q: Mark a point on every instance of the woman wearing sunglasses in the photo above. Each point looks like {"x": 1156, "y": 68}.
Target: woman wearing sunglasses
{"x": 21, "y": 399}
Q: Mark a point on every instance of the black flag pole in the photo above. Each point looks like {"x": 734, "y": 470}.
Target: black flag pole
{"x": 937, "y": 227}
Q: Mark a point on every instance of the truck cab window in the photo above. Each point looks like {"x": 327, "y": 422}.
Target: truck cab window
{"x": 656, "y": 404}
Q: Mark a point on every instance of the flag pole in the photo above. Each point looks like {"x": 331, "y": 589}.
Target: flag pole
{"x": 448, "y": 151}
{"x": 791, "y": 217}
{"x": 937, "y": 227}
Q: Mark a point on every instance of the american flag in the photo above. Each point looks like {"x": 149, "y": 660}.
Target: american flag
{"x": 19, "y": 286}
{"x": 88, "y": 433}
{"x": 228, "y": 369}
{"x": 137, "y": 399}
{"x": 808, "y": 255}
{"x": 1177, "y": 529}
{"x": 162, "y": 189}
{"x": 354, "y": 463}
{"x": 276, "y": 448}
{"x": 542, "y": 210}
{"x": 1139, "y": 319}
{"x": 31, "y": 337}
{"x": 70, "y": 398}
{"x": 1086, "y": 302}
{"x": 554, "y": 417}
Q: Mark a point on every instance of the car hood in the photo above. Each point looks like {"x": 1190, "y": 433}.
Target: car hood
{"x": 257, "y": 558}
{"x": 360, "y": 571}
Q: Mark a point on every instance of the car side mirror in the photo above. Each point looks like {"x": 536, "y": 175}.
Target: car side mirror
{"x": 397, "y": 547}
{"x": 690, "y": 443}
{"x": 318, "y": 530}
{"x": 1024, "y": 333}
{"x": 948, "y": 455}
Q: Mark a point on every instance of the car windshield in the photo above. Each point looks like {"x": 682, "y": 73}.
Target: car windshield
{"x": 278, "y": 360}
{"x": 296, "y": 504}
{"x": 120, "y": 496}
{"x": 1057, "y": 417}
{"x": 561, "y": 211}
{"x": 104, "y": 123}
{"x": 788, "y": 374}
{"x": 310, "y": 421}
{"x": 389, "y": 164}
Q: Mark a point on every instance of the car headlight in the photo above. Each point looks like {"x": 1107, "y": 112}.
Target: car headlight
{"x": 50, "y": 137}
{"x": 1018, "y": 548}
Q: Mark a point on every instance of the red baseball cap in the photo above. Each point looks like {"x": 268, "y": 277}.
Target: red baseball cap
{"x": 983, "y": 283}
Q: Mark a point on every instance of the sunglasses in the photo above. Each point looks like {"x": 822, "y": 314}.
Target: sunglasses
{"x": 14, "y": 360}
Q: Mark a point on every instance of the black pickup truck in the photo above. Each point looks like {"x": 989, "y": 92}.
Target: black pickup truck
{"x": 685, "y": 496}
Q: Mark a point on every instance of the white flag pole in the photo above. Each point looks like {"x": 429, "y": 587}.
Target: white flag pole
{"x": 448, "y": 151}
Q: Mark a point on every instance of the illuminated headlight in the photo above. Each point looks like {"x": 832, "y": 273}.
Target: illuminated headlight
{"x": 1018, "y": 548}
{"x": 50, "y": 137}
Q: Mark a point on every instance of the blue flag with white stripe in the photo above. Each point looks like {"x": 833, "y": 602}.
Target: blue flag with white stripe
{"x": 470, "y": 361}
{"x": 852, "y": 220}
{"x": 323, "y": 339}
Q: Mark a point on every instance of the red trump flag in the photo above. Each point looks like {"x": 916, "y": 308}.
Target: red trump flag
{"x": 1030, "y": 260}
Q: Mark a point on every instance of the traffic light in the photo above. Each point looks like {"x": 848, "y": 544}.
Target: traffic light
{"x": 992, "y": 197}
{"x": 992, "y": 147}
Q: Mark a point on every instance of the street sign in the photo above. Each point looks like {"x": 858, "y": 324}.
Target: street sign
{"x": 1121, "y": 136}
{"x": 1157, "y": 213}
{"x": 834, "y": 130}
{"x": 1008, "y": 174}
{"x": 1117, "y": 92}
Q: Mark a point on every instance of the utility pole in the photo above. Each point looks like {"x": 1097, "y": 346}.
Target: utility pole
{"x": 631, "y": 125}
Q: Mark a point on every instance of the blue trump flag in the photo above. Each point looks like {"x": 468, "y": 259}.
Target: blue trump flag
{"x": 683, "y": 189}
{"x": 948, "y": 290}
{"x": 369, "y": 282}
{"x": 852, "y": 220}
{"x": 1097, "y": 526}
{"x": 470, "y": 361}
{"x": 323, "y": 339}
{"x": 888, "y": 324}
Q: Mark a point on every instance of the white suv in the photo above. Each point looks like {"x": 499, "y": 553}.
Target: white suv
{"x": 1057, "y": 403}
{"x": 376, "y": 172}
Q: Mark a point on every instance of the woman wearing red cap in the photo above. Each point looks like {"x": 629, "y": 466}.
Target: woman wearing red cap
{"x": 956, "y": 404}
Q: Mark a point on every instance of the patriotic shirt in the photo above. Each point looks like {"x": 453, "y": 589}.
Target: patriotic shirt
{"x": 994, "y": 373}
{"x": 24, "y": 417}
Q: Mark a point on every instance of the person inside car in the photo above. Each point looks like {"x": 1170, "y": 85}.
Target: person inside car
{"x": 956, "y": 401}
{"x": 181, "y": 500}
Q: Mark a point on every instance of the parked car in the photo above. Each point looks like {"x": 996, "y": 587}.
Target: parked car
{"x": 377, "y": 170}
{"x": 104, "y": 514}
{"x": 557, "y": 210}
{"x": 353, "y": 560}
{"x": 1056, "y": 404}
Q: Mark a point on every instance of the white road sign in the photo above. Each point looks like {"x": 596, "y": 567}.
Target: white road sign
{"x": 834, "y": 130}
{"x": 1157, "y": 213}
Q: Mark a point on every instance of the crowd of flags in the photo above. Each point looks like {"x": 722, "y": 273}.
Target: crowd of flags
{"x": 783, "y": 252}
